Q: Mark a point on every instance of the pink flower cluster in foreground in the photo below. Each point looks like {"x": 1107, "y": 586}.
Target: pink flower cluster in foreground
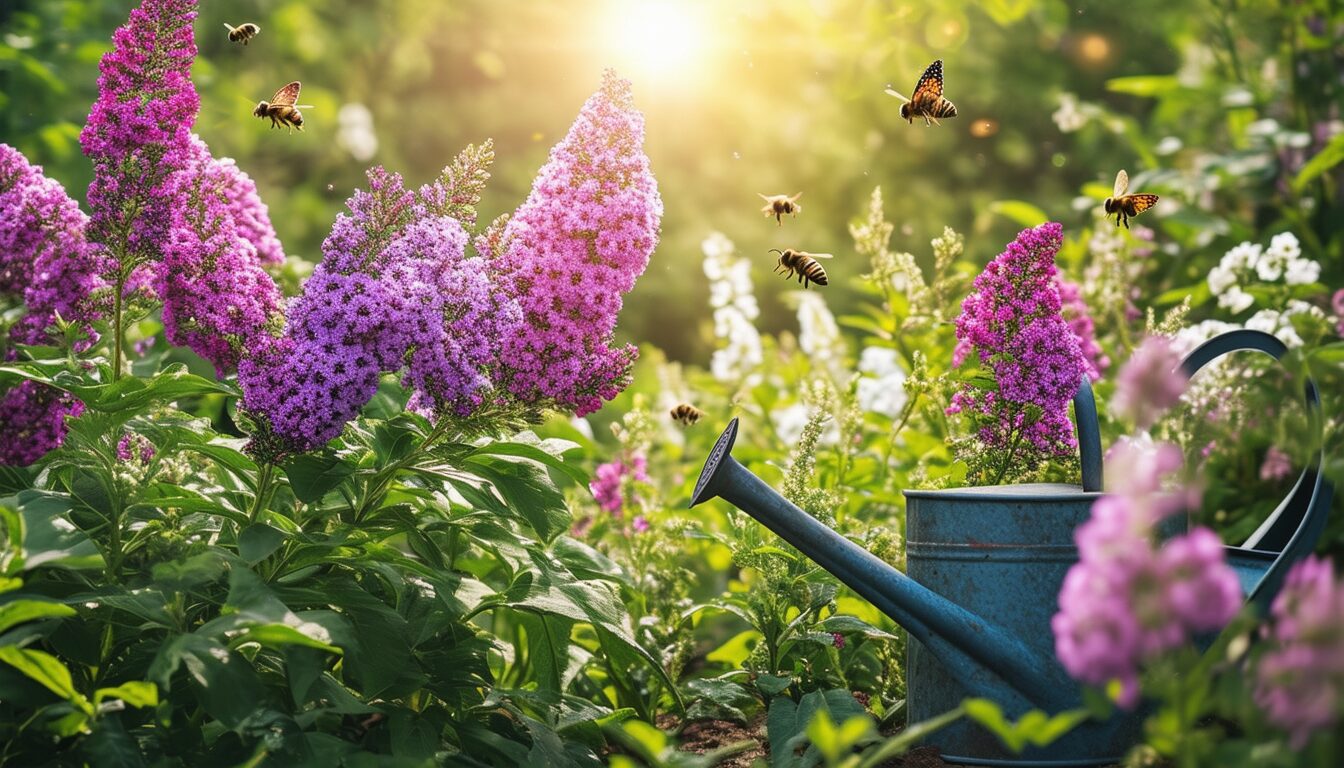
{"x": 1149, "y": 383}
{"x": 1300, "y": 678}
{"x": 1129, "y": 599}
{"x": 1012, "y": 321}
{"x": 1074, "y": 309}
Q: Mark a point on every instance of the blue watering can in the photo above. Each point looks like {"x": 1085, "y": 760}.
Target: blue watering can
{"x": 984, "y": 569}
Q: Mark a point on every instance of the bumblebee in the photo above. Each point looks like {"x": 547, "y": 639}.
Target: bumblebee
{"x": 778, "y": 205}
{"x": 281, "y": 108}
{"x": 243, "y": 32}
{"x": 1123, "y": 206}
{"x": 686, "y": 414}
{"x": 803, "y": 264}
{"x": 927, "y": 100}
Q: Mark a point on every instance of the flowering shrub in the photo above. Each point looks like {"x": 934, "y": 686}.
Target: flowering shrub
{"x": 1012, "y": 321}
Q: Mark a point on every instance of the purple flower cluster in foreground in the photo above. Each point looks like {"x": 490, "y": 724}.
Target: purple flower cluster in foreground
{"x": 528, "y": 323}
{"x": 45, "y": 259}
{"x": 1076, "y": 313}
{"x": 1129, "y": 600}
{"x": 139, "y": 130}
{"x": 1012, "y": 321}
{"x": 1300, "y": 678}
{"x": 573, "y": 248}
{"x": 611, "y": 483}
{"x": 32, "y": 421}
{"x": 217, "y": 298}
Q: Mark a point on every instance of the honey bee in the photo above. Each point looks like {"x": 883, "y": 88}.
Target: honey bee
{"x": 686, "y": 414}
{"x": 803, "y": 263}
{"x": 243, "y": 32}
{"x": 1122, "y": 205}
{"x": 778, "y": 205}
{"x": 281, "y": 108}
{"x": 927, "y": 99}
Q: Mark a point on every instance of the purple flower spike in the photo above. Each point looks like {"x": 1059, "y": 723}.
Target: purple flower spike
{"x": 217, "y": 298}
{"x": 1012, "y": 321}
{"x": 574, "y": 247}
{"x": 138, "y": 131}
{"x": 32, "y": 421}
{"x": 44, "y": 256}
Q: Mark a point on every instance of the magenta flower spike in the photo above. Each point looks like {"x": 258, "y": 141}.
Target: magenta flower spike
{"x": 577, "y": 244}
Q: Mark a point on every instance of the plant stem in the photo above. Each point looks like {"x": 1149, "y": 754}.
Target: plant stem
{"x": 378, "y": 485}
{"x": 117, "y": 330}
{"x": 264, "y": 485}
{"x": 1008, "y": 459}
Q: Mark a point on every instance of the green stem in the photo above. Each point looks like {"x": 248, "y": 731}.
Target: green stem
{"x": 117, "y": 330}
{"x": 1008, "y": 459}
{"x": 380, "y": 482}
{"x": 264, "y": 485}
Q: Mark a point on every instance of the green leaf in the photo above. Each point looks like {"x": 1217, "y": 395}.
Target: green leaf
{"x": 1020, "y": 211}
{"x": 851, "y": 625}
{"x": 136, "y": 693}
{"x": 1034, "y": 727}
{"x": 277, "y": 635}
{"x": 49, "y": 538}
{"x": 528, "y": 492}
{"x": 1199, "y": 293}
{"x": 19, "y": 611}
{"x": 312, "y": 475}
{"x": 1329, "y": 156}
{"x": 110, "y": 746}
{"x": 226, "y": 685}
{"x": 536, "y": 454}
{"x": 43, "y": 668}
{"x": 908, "y": 738}
{"x": 257, "y": 542}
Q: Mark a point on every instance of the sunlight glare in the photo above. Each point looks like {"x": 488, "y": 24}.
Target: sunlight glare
{"x": 658, "y": 38}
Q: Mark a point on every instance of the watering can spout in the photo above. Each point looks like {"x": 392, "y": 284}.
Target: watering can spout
{"x": 961, "y": 639}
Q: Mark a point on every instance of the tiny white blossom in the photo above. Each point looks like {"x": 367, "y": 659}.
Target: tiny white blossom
{"x": 1302, "y": 272}
{"x": 1071, "y": 115}
{"x": 1236, "y": 300}
{"x": 1243, "y": 256}
{"x": 1220, "y": 279}
{"x": 818, "y": 334}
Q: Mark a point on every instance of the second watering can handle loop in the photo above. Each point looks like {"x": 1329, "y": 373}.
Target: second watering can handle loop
{"x": 1089, "y": 435}
{"x": 1292, "y": 529}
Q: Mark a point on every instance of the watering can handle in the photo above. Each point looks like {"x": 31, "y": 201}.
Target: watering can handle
{"x": 1089, "y": 435}
{"x": 1291, "y": 531}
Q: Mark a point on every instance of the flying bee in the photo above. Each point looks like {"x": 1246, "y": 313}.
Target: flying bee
{"x": 281, "y": 109}
{"x": 927, "y": 100}
{"x": 686, "y": 414}
{"x": 778, "y": 205}
{"x": 1124, "y": 205}
{"x": 802, "y": 263}
{"x": 242, "y": 33}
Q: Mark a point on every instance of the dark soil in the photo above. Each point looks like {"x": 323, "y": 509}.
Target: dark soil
{"x": 703, "y": 736}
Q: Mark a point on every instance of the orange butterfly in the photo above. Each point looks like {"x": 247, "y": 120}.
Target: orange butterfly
{"x": 927, "y": 99}
{"x": 1124, "y": 206}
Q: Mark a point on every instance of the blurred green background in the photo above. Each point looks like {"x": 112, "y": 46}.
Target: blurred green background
{"x": 1215, "y": 105}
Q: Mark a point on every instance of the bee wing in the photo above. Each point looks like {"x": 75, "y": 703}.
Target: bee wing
{"x": 1121, "y": 183}
{"x": 930, "y": 86}
{"x": 232, "y": 28}
{"x": 766, "y": 198}
{"x": 795, "y": 197}
{"x": 890, "y": 92}
{"x": 1143, "y": 202}
{"x": 818, "y": 255}
{"x": 285, "y": 97}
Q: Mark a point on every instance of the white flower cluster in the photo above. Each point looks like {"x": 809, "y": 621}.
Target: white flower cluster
{"x": 882, "y": 391}
{"x": 1248, "y": 262}
{"x": 818, "y": 334}
{"x": 735, "y": 309}
{"x": 1280, "y": 323}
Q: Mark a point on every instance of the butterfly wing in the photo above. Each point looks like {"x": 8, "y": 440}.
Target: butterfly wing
{"x": 1142, "y": 202}
{"x": 1121, "y": 183}
{"x": 285, "y": 97}
{"x": 929, "y": 89}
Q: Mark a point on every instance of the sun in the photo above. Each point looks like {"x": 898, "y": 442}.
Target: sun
{"x": 656, "y": 38}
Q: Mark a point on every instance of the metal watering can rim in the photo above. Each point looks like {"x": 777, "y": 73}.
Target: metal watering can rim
{"x": 952, "y": 632}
